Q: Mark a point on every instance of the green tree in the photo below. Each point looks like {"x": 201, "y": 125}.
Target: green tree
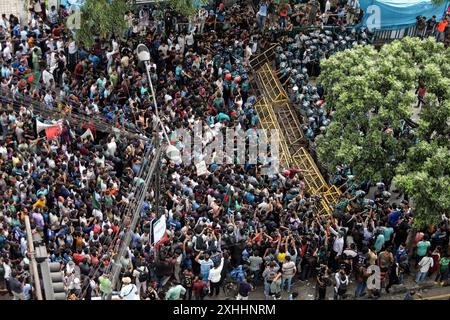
{"x": 438, "y": 2}
{"x": 372, "y": 92}
{"x": 425, "y": 176}
{"x": 102, "y": 18}
{"x": 187, "y": 8}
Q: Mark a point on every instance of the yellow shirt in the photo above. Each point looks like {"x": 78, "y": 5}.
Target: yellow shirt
{"x": 281, "y": 256}
{"x": 40, "y": 204}
{"x": 15, "y": 161}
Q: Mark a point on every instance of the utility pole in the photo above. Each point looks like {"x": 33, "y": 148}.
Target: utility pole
{"x": 34, "y": 268}
{"x": 125, "y": 243}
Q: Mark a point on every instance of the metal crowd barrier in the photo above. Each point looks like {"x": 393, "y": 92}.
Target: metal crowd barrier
{"x": 275, "y": 112}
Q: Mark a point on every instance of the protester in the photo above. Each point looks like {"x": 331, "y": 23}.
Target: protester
{"x": 75, "y": 177}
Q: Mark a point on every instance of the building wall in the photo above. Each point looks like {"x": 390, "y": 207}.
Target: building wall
{"x": 14, "y": 7}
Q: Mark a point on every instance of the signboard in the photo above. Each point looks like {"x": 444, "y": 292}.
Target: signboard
{"x": 201, "y": 168}
{"x": 158, "y": 229}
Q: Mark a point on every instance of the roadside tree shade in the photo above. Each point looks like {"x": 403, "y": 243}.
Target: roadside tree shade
{"x": 372, "y": 93}
{"x": 425, "y": 177}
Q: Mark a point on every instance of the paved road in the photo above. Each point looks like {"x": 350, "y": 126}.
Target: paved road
{"x": 306, "y": 291}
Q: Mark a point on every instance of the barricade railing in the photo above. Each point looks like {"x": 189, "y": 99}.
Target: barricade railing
{"x": 275, "y": 112}
{"x": 268, "y": 121}
{"x": 271, "y": 84}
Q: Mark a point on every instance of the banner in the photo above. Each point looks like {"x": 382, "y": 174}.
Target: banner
{"x": 394, "y": 14}
{"x": 88, "y": 133}
{"x": 40, "y": 126}
{"x": 158, "y": 230}
{"x": 201, "y": 168}
{"x": 53, "y": 132}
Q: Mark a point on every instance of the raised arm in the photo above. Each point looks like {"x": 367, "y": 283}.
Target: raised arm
{"x": 198, "y": 256}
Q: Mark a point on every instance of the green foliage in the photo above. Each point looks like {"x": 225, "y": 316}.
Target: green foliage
{"x": 370, "y": 89}
{"x": 185, "y": 7}
{"x": 438, "y": 2}
{"x": 425, "y": 176}
{"x": 102, "y": 18}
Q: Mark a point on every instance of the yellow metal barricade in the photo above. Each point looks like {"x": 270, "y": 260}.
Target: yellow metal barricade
{"x": 275, "y": 112}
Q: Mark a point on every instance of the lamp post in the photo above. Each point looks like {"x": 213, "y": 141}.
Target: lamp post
{"x": 143, "y": 55}
{"x": 172, "y": 153}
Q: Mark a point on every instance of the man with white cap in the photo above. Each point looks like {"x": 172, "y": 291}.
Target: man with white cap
{"x": 129, "y": 290}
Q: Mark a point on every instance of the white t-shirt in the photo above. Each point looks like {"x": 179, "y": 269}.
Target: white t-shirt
{"x": 190, "y": 39}
{"x": 425, "y": 264}
{"x": 7, "y": 53}
{"x": 129, "y": 292}
{"x": 73, "y": 47}
{"x": 112, "y": 147}
{"x": 46, "y": 77}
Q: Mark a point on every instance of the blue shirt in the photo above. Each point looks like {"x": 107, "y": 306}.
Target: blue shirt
{"x": 379, "y": 243}
{"x": 262, "y": 10}
{"x": 393, "y": 218}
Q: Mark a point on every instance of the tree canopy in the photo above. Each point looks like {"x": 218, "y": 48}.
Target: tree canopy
{"x": 101, "y": 18}
{"x": 106, "y": 17}
{"x": 425, "y": 176}
{"x": 372, "y": 93}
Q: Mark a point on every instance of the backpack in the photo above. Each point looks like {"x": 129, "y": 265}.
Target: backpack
{"x": 342, "y": 287}
{"x": 143, "y": 276}
{"x": 200, "y": 243}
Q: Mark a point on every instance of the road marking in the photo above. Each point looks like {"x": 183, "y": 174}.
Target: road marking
{"x": 441, "y": 296}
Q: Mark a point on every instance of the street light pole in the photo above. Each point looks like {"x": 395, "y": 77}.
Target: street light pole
{"x": 143, "y": 54}
{"x": 34, "y": 268}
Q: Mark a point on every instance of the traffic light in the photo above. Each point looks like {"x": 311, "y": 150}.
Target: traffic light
{"x": 53, "y": 279}
{"x": 57, "y": 278}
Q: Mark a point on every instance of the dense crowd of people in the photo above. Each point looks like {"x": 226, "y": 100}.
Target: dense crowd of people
{"x": 231, "y": 228}
{"x": 299, "y": 58}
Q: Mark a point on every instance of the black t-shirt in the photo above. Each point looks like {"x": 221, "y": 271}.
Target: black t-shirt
{"x": 188, "y": 280}
{"x": 84, "y": 268}
{"x": 153, "y": 295}
{"x": 244, "y": 289}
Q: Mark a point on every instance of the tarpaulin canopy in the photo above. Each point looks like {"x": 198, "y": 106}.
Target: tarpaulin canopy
{"x": 395, "y": 14}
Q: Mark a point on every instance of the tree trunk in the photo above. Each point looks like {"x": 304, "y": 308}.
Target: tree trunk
{"x": 410, "y": 241}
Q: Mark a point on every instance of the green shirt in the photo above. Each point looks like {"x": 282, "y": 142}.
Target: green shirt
{"x": 105, "y": 285}
{"x": 342, "y": 204}
{"x": 175, "y": 293}
{"x": 444, "y": 263}
{"x": 379, "y": 243}
{"x": 387, "y": 232}
{"x": 422, "y": 248}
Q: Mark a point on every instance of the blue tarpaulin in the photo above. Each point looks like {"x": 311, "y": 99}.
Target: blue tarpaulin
{"x": 395, "y": 14}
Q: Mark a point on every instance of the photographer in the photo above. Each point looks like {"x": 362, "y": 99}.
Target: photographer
{"x": 16, "y": 284}
{"x": 341, "y": 285}
{"x": 323, "y": 281}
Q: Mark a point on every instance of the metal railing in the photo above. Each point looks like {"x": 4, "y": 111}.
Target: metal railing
{"x": 383, "y": 36}
{"x": 77, "y": 119}
{"x": 275, "y": 112}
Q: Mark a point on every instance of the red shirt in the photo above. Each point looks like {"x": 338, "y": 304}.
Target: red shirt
{"x": 79, "y": 70}
{"x": 198, "y": 288}
{"x": 77, "y": 258}
{"x": 422, "y": 92}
